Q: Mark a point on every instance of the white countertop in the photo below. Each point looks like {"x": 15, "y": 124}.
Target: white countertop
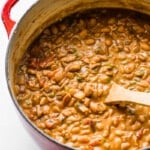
{"x": 13, "y": 135}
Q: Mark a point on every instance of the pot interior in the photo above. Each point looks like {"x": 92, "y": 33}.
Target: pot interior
{"x": 45, "y": 13}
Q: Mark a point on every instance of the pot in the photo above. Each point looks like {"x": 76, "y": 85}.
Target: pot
{"x": 40, "y": 15}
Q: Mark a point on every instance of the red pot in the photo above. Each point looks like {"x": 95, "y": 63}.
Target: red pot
{"x": 39, "y": 16}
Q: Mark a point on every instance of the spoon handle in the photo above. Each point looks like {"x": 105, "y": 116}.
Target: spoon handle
{"x": 118, "y": 94}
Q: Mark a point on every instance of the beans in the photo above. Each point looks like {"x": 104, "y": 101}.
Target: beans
{"x": 75, "y": 130}
{"x": 65, "y": 76}
{"x": 138, "y": 29}
{"x": 83, "y": 139}
{"x": 144, "y": 46}
{"x": 83, "y": 34}
{"x": 129, "y": 68}
{"x": 79, "y": 95}
{"x": 106, "y": 133}
{"x": 68, "y": 58}
{"x": 119, "y": 132}
{"x": 97, "y": 92}
{"x": 45, "y": 109}
{"x": 116, "y": 143}
{"x": 41, "y": 125}
{"x": 66, "y": 99}
{"x": 92, "y": 22}
{"x": 108, "y": 41}
{"x": 121, "y": 29}
{"x": 39, "y": 110}
{"x": 74, "y": 66}
{"x": 107, "y": 145}
{"x": 89, "y": 41}
{"x": 96, "y": 141}
{"x": 62, "y": 27}
{"x": 148, "y": 138}
{"x": 105, "y": 29}
{"x": 43, "y": 100}
{"x": 88, "y": 90}
{"x": 99, "y": 126}
{"x": 82, "y": 108}
{"x": 125, "y": 146}
{"x": 104, "y": 79}
{"x": 143, "y": 56}
{"x": 96, "y": 59}
{"x": 143, "y": 84}
{"x": 50, "y": 123}
{"x": 85, "y": 132}
{"x": 54, "y": 29}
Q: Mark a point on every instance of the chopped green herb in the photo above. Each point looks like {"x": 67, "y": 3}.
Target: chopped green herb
{"x": 109, "y": 64}
{"x": 124, "y": 62}
{"x": 98, "y": 50}
{"x": 120, "y": 49}
{"x": 79, "y": 79}
{"x": 109, "y": 79}
{"x": 131, "y": 30}
{"x": 132, "y": 82}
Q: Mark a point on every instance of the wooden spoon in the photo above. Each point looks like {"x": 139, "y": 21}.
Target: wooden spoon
{"x": 118, "y": 94}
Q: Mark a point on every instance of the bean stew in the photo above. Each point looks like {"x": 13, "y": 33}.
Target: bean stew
{"x": 65, "y": 75}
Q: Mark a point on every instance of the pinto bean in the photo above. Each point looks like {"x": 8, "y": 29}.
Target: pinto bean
{"x": 68, "y": 58}
{"x": 74, "y": 66}
{"x": 50, "y": 123}
{"x": 88, "y": 90}
{"x": 66, "y": 99}
{"x": 145, "y": 46}
{"x": 105, "y": 29}
{"x": 63, "y": 27}
{"x": 108, "y": 41}
{"x": 129, "y": 68}
{"x": 54, "y": 29}
{"x": 136, "y": 126}
{"x": 92, "y": 22}
{"x": 83, "y": 34}
{"x": 112, "y": 21}
{"x": 46, "y": 109}
{"x": 89, "y": 41}
{"x": 79, "y": 95}
{"x": 125, "y": 145}
{"x": 83, "y": 139}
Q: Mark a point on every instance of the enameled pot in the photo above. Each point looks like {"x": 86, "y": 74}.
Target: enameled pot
{"x": 39, "y": 16}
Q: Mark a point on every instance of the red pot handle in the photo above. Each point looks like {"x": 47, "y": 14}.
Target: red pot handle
{"x": 8, "y": 22}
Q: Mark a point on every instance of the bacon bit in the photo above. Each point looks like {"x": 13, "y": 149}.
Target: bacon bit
{"x": 42, "y": 82}
{"x": 35, "y": 51}
{"x": 45, "y": 62}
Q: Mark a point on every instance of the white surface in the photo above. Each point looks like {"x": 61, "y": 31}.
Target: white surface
{"x": 13, "y": 135}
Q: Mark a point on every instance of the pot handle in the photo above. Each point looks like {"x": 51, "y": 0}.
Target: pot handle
{"x": 7, "y": 21}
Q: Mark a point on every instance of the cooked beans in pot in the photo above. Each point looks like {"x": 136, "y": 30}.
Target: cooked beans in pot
{"x": 65, "y": 75}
